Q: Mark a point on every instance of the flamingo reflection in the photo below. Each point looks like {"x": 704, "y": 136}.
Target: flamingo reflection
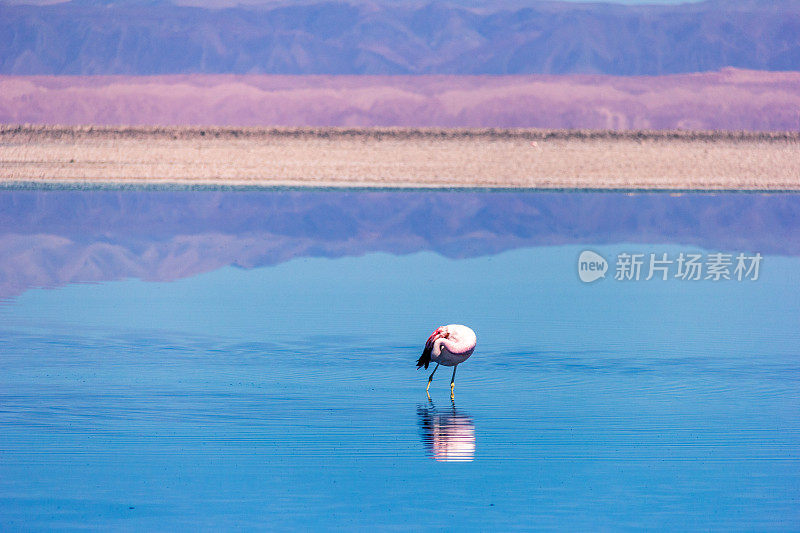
{"x": 448, "y": 435}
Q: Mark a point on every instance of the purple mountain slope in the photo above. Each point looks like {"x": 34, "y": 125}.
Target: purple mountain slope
{"x": 730, "y": 100}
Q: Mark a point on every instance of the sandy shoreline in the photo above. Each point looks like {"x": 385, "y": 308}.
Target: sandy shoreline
{"x": 393, "y": 157}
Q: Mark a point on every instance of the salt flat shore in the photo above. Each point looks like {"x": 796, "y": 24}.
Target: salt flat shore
{"x": 396, "y": 157}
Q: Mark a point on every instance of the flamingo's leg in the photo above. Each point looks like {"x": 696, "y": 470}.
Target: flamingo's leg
{"x": 431, "y": 379}
{"x": 453, "y": 383}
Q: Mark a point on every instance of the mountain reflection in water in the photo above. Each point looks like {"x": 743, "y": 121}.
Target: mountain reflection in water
{"x": 448, "y": 435}
{"x": 50, "y": 238}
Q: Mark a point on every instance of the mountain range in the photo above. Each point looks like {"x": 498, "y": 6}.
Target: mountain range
{"x": 84, "y": 37}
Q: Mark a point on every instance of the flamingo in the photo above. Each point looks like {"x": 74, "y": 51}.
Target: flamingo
{"x": 449, "y": 345}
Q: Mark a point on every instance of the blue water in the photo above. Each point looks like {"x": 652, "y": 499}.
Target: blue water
{"x": 210, "y": 359}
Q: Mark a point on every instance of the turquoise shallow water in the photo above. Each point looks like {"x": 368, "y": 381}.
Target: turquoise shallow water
{"x": 175, "y": 360}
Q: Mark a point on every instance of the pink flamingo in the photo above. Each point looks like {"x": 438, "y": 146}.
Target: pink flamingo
{"x": 449, "y": 345}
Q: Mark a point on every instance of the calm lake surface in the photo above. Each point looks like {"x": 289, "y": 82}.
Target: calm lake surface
{"x": 176, "y": 360}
